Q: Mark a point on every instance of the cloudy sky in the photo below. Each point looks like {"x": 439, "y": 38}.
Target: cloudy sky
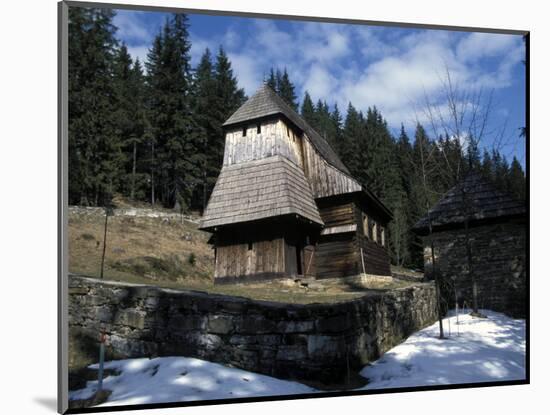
{"x": 391, "y": 68}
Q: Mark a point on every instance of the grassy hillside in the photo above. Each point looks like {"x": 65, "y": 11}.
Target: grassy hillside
{"x": 152, "y": 249}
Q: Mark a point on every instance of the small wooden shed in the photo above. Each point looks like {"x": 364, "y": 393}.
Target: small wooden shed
{"x": 497, "y": 234}
{"x": 285, "y": 205}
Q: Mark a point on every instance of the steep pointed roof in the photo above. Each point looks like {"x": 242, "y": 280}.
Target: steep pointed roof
{"x": 474, "y": 196}
{"x": 265, "y": 102}
{"x": 260, "y": 189}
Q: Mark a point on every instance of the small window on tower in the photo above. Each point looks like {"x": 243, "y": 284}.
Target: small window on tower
{"x": 244, "y": 131}
{"x": 287, "y": 131}
{"x": 258, "y": 129}
{"x": 250, "y": 246}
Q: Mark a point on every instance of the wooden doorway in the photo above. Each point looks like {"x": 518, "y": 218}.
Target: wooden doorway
{"x": 308, "y": 263}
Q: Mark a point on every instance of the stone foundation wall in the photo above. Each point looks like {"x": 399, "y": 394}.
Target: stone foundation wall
{"x": 304, "y": 342}
{"x": 498, "y": 258}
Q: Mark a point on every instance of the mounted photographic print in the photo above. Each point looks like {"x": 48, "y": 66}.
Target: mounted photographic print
{"x": 258, "y": 207}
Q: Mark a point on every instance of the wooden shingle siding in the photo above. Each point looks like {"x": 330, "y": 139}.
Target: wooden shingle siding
{"x": 325, "y": 180}
{"x": 259, "y": 189}
{"x": 475, "y": 197}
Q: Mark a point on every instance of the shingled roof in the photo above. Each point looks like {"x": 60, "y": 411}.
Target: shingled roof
{"x": 265, "y": 102}
{"x": 484, "y": 201}
{"x": 259, "y": 189}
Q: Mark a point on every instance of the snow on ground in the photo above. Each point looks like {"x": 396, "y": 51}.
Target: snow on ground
{"x": 478, "y": 350}
{"x": 176, "y": 379}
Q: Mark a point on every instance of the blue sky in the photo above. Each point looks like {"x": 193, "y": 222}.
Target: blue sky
{"x": 387, "y": 67}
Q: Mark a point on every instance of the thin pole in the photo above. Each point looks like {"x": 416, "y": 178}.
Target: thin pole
{"x": 104, "y": 244}
{"x": 363, "y": 261}
{"x": 347, "y": 363}
{"x": 101, "y": 361}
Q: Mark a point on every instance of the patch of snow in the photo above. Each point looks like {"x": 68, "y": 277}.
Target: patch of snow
{"x": 176, "y": 379}
{"x": 478, "y": 350}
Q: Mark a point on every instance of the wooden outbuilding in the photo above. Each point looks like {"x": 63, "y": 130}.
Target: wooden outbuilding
{"x": 285, "y": 205}
{"x": 495, "y": 225}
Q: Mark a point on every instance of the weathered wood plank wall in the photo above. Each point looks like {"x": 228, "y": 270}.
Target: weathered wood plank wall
{"x": 264, "y": 259}
{"x": 336, "y": 256}
{"x": 325, "y": 180}
{"x": 274, "y": 139}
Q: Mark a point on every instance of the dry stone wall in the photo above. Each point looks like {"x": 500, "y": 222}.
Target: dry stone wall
{"x": 305, "y": 342}
{"x": 85, "y": 211}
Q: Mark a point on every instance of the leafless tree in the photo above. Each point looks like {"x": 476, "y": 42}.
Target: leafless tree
{"x": 463, "y": 114}
{"x": 424, "y": 170}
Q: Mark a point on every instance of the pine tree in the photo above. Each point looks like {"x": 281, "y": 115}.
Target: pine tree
{"x": 285, "y": 89}
{"x": 278, "y": 79}
{"x": 141, "y": 133}
{"x": 168, "y": 78}
{"x": 403, "y": 215}
{"x": 215, "y": 97}
{"x": 204, "y": 101}
{"x": 404, "y": 160}
{"x": 281, "y": 84}
{"x": 486, "y": 168}
{"x": 308, "y": 111}
{"x": 131, "y": 120}
{"x": 272, "y": 81}
{"x": 336, "y": 130}
{"x": 500, "y": 171}
{"x": 516, "y": 180}
{"x": 351, "y": 136}
{"x": 94, "y": 148}
{"x": 423, "y": 168}
{"x": 323, "y": 123}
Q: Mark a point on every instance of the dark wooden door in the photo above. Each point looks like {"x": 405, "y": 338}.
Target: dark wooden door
{"x": 308, "y": 261}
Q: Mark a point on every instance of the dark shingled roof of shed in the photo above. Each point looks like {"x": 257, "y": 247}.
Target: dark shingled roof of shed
{"x": 260, "y": 189}
{"x": 265, "y": 102}
{"x": 484, "y": 199}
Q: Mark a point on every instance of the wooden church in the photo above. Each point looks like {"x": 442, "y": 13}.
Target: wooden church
{"x": 284, "y": 204}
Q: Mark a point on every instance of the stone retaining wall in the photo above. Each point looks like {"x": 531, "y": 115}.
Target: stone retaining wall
{"x": 131, "y": 212}
{"x": 304, "y": 342}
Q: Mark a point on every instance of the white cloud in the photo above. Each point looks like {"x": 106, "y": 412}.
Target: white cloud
{"x": 324, "y": 42}
{"x": 139, "y": 52}
{"x": 199, "y": 45}
{"x": 130, "y": 27}
{"x": 387, "y": 67}
{"x": 481, "y": 45}
{"x": 320, "y": 83}
{"x": 371, "y": 45}
{"x": 247, "y": 70}
{"x": 395, "y": 83}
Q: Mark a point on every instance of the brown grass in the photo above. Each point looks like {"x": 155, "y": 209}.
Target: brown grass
{"x": 171, "y": 254}
{"x": 152, "y": 248}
